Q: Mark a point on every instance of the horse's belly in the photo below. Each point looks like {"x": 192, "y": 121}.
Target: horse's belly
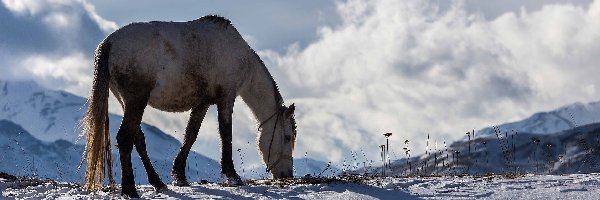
{"x": 174, "y": 98}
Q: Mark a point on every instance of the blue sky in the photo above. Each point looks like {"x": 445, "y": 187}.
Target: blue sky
{"x": 355, "y": 69}
{"x": 272, "y": 24}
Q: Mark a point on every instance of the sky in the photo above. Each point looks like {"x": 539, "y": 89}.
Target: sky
{"x": 355, "y": 69}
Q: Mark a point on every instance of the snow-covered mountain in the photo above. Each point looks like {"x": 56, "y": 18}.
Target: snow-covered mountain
{"x": 47, "y": 114}
{"x": 571, "y": 151}
{"x": 24, "y": 155}
{"x": 565, "y": 140}
{"x": 48, "y": 120}
{"x": 563, "y": 118}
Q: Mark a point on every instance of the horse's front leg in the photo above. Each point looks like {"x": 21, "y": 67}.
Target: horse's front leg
{"x": 191, "y": 133}
{"x": 225, "y": 109}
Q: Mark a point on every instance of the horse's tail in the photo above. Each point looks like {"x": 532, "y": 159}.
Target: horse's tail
{"x": 95, "y": 125}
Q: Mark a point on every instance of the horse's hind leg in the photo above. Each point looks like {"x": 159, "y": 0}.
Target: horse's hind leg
{"x": 225, "y": 109}
{"x": 140, "y": 145}
{"x": 191, "y": 132}
{"x": 129, "y": 126}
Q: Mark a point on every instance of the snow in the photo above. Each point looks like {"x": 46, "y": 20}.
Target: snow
{"x": 574, "y": 186}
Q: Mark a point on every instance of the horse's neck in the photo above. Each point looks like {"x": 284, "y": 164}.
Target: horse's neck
{"x": 261, "y": 94}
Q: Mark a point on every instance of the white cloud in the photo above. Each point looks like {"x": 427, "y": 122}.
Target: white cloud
{"x": 54, "y": 38}
{"x": 69, "y": 72}
{"x": 106, "y": 25}
{"x": 23, "y": 7}
{"x": 411, "y": 68}
{"x": 60, "y": 21}
{"x": 38, "y": 7}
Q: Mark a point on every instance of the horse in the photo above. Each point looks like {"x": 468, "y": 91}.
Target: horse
{"x": 177, "y": 67}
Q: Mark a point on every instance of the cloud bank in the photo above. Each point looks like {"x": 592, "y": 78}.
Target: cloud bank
{"x": 411, "y": 68}
{"x": 50, "y": 41}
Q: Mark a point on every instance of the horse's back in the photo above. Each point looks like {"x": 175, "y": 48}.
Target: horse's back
{"x": 180, "y": 63}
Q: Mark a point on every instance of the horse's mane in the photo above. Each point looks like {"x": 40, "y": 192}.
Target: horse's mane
{"x": 215, "y": 19}
{"x": 277, "y": 94}
{"x": 225, "y": 23}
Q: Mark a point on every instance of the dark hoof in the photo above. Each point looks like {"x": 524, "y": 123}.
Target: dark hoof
{"x": 179, "y": 182}
{"x": 130, "y": 194}
{"x": 129, "y": 191}
{"x": 236, "y": 181}
{"x": 160, "y": 187}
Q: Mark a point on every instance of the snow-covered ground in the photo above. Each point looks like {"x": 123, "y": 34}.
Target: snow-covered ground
{"x": 575, "y": 186}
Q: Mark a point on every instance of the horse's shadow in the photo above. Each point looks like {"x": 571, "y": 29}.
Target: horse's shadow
{"x": 297, "y": 192}
{"x": 214, "y": 193}
{"x": 367, "y": 191}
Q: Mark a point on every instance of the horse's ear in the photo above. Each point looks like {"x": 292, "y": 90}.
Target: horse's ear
{"x": 290, "y": 110}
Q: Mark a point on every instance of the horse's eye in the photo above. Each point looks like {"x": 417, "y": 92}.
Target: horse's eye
{"x": 288, "y": 138}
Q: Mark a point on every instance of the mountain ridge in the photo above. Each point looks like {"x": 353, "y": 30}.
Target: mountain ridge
{"x": 569, "y": 151}
{"x": 563, "y": 118}
{"x": 53, "y": 117}
{"x": 24, "y": 155}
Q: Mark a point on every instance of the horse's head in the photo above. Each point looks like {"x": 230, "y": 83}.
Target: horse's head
{"x": 276, "y": 142}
